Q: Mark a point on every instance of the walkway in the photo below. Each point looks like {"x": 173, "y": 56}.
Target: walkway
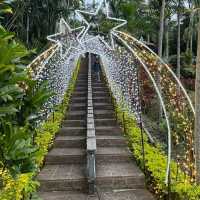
{"x": 64, "y": 174}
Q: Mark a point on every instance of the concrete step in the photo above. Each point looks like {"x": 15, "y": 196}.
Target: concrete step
{"x": 72, "y": 131}
{"x": 122, "y": 175}
{"x": 110, "y": 141}
{"x": 80, "y": 94}
{"x": 103, "y": 114}
{"x": 66, "y": 156}
{"x": 76, "y": 115}
{"x": 108, "y": 130}
{"x": 81, "y": 88}
{"x": 102, "y": 106}
{"x": 77, "y": 155}
{"x": 105, "y": 122}
{"x": 100, "y": 94}
{"x": 82, "y": 78}
{"x": 101, "y": 99}
{"x": 68, "y": 177}
{"x": 98, "y": 84}
{"x": 81, "y": 82}
{"x": 131, "y": 194}
{"x": 113, "y": 154}
{"x": 70, "y": 123}
{"x": 78, "y": 99}
{"x": 78, "y": 106}
{"x": 70, "y": 141}
{"x": 82, "y": 75}
{"x": 100, "y": 89}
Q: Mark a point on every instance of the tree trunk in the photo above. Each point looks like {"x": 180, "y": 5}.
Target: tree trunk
{"x": 191, "y": 32}
{"x": 178, "y": 70}
{"x": 161, "y": 31}
{"x": 160, "y": 53}
{"x": 197, "y": 108}
{"x": 167, "y": 40}
{"x": 148, "y": 38}
{"x": 27, "y": 30}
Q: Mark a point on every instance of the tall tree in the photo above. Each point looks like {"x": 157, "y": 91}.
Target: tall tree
{"x": 197, "y": 99}
{"x": 167, "y": 39}
{"x": 160, "y": 53}
{"x": 34, "y": 20}
{"x": 178, "y": 69}
{"x": 161, "y": 31}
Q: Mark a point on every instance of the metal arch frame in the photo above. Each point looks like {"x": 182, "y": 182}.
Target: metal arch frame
{"x": 162, "y": 61}
{"x": 60, "y": 33}
{"x": 123, "y": 22}
{"x": 116, "y": 34}
{"x": 42, "y": 54}
{"x": 162, "y": 103}
{"x": 45, "y": 62}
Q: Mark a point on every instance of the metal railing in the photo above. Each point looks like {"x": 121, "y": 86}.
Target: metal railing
{"x": 91, "y": 136}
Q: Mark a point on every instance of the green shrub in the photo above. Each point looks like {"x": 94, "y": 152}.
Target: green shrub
{"x": 24, "y": 185}
{"x": 156, "y": 163}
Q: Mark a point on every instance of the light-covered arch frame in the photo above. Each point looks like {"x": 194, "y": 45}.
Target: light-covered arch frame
{"x": 58, "y": 70}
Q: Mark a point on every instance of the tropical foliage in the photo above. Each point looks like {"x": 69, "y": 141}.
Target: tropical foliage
{"x": 22, "y": 185}
{"x": 34, "y": 20}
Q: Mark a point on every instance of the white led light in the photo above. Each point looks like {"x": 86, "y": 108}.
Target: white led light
{"x": 121, "y": 22}
{"x": 120, "y": 65}
{"x": 67, "y": 38}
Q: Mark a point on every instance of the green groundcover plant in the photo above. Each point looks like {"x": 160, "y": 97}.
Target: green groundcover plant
{"x": 155, "y": 163}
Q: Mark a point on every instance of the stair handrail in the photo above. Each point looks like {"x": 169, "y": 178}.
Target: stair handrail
{"x": 91, "y": 136}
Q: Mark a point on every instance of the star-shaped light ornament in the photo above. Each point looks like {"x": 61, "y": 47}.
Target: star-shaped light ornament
{"x": 103, "y": 30}
{"x": 67, "y": 38}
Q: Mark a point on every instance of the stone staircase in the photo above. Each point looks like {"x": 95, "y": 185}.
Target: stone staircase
{"x": 64, "y": 174}
{"x": 116, "y": 169}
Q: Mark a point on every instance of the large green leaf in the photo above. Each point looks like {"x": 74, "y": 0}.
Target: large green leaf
{"x": 17, "y": 147}
{"x": 7, "y": 110}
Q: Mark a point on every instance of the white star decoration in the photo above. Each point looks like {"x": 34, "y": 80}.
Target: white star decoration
{"x": 67, "y": 38}
{"x": 121, "y": 23}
